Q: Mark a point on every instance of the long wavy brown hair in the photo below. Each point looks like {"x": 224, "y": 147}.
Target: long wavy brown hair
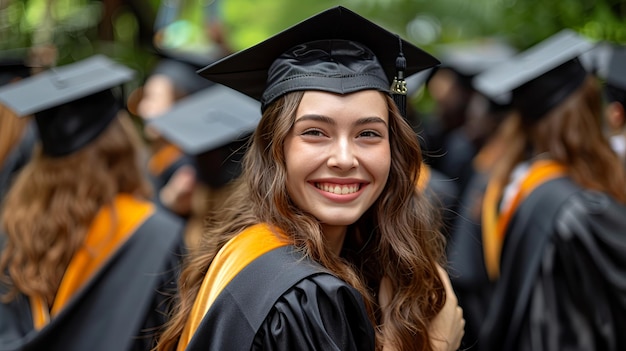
{"x": 570, "y": 134}
{"x": 49, "y": 208}
{"x": 398, "y": 236}
{"x": 12, "y": 130}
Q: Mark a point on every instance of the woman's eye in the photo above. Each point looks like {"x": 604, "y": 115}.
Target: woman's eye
{"x": 313, "y": 132}
{"x": 369, "y": 134}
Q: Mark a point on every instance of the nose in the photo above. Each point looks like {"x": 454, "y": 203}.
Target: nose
{"x": 343, "y": 155}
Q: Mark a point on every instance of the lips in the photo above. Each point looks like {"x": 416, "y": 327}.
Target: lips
{"x": 339, "y": 189}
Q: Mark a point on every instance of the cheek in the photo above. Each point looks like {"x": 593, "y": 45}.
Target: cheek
{"x": 379, "y": 164}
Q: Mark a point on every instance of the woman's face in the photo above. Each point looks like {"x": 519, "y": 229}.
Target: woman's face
{"x": 338, "y": 154}
{"x": 158, "y": 97}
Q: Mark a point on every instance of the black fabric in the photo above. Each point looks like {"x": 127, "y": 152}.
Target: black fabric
{"x": 337, "y": 66}
{"x": 537, "y": 97}
{"x": 318, "y": 313}
{"x": 284, "y": 302}
{"x": 466, "y": 263}
{"x": 67, "y": 128}
{"x": 443, "y": 193}
{"x": 17, "y": 158}
{"x": 247, "y": 71}
{"x": 121, "y": 308}
{"x": 563, "y": 275}
{"x": 161, "y": 179}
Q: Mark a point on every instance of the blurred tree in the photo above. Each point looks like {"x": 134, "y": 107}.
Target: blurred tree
{"x": 125, "y": 29}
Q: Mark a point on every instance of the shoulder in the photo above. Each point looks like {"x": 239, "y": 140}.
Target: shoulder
{"x": 327, "y": 310}
{"x": 161, "y": 229}
{"x": 593, "y": 213}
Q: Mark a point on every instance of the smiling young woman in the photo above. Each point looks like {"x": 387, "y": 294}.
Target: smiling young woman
{"x": 326, "y": 243}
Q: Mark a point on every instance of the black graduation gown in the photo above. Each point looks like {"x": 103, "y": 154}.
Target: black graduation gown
{"x": 279, "y": 302}
{"x": 17, "y": 158}
{"x": 468, "y": 275}
{"x": 563, "y": 274}
{"x": 119, "y": 309}
{"x": 443, "y": 193}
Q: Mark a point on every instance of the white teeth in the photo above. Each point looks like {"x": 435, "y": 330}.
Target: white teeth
{"x": 338, "y": 189}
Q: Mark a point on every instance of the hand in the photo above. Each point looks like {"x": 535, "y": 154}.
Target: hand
{"x": 176, "y": 194}
{"x": 448, "y": 327}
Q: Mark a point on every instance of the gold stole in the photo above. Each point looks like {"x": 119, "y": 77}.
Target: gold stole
{"x": 229, "y": 261}
{"x": 163, "y": 158}
{"x": 422, "y": 181}
{"x": 109, "y": 230}
{"x": 494, "y": 224}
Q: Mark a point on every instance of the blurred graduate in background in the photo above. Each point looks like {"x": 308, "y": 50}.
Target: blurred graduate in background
{"x": 17, "y": 135}
{"x": 553, "y": 213}
{"x": 87, "y": 262}
{"x": 213, "y": 127}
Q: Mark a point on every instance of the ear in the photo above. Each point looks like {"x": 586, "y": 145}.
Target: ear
{"x": 615, "y": 115}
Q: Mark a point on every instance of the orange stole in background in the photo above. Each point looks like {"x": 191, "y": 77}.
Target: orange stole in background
{"x": 109, "y": 230}
{"x": 495, "y": 224}
{"x": 163, "y": 158}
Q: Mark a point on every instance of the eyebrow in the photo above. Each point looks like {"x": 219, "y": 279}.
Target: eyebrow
{"x": 328, "y": 120}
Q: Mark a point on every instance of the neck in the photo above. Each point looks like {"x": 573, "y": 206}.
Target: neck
{"x": 335, "y": 236}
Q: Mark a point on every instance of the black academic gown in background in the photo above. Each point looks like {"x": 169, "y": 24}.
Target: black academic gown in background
{"x": 119, "y": 309}
{"x": 279, "y": 302}
{"x": 443, "y": 194}
{"x": 468, "y": 275}
{"x": 17, "y": 158}
{"x": 563, "y": 274}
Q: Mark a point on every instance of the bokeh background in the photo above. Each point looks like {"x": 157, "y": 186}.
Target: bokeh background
{"x": 128, "y": 29}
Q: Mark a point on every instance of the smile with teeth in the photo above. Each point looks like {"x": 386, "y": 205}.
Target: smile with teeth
{"x": 340, "y": 189}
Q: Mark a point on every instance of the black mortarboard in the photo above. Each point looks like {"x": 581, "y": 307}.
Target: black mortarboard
{"x": 180, "y": 67}
{"x": 336, "y": 50}
{"x": 469, "y": 58}
{"x": 539, "y": 78}
{"x": 615, "y": 79}
{"x": 72, "y": 104}
{"x": 616, "y": 74}
{"x": 211, "y": 125}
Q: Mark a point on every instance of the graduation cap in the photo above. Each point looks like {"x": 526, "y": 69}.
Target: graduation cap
{"x": 469, "y": 58}
{"x": 616, "y": 75}
{"x": 336, "y": 51}
{"x": 539, "y": 78}
{"x": 180, "y": 67}
{"x": 72, "y": 104}
{"x": 213, "y": 126}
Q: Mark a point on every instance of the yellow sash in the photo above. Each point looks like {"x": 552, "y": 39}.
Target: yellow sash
{"x": 495, "y": 224}
{"x": 165, "y": 157}
{"x": 109, "y": 230}
{"x": 229, "y": 261}
{"x": 422, "y": 181}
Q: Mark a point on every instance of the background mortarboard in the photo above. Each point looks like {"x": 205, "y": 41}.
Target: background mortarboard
{"x": 537, "y": 79}
{"x": 180, "y": 67}
{"x": 213, "y": 126}
{"x": 615, "y": 78}
{"x": 596, "y": 60}
{"x": 616, "y": 74}
{"x": 470, "y": 58}
{"x": 72, "y": 104}
{"x": 247, "y": 70}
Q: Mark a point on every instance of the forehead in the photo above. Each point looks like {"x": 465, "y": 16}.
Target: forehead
{"x": 362, "y": 103}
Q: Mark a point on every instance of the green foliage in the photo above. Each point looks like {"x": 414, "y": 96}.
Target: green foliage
{"x": 74, "y": 26}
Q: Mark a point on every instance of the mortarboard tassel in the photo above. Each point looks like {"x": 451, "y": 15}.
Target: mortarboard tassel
{"x": 398, "y": 87}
